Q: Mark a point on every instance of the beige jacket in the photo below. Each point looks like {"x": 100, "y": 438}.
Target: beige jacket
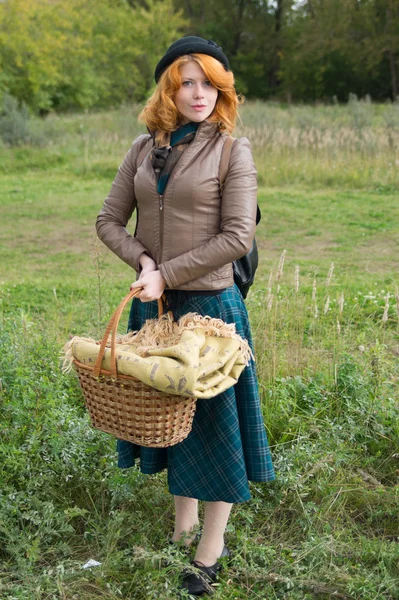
{"x": 191, "y": 232}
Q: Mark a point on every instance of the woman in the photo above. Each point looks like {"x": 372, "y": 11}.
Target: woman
{"x": 186, "y": 238}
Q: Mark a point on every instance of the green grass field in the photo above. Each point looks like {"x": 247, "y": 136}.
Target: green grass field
{"x": 325, "y": 317}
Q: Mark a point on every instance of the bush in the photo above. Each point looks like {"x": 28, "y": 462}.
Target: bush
{"x": 14, "y": 122}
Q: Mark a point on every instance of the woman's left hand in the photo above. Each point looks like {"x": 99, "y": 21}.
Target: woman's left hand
{"x": 153, "y": 285}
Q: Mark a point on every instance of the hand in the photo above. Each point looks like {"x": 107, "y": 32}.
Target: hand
{"x": 153, "y": 285}
{"x": 147, "y": 265}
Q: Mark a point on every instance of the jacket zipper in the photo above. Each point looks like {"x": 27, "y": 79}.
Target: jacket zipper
{"x": 161, "y": 224}
{"x": 161, "y": 211}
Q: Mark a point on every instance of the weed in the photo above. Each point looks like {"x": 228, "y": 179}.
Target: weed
{"x": 325, "y": 318}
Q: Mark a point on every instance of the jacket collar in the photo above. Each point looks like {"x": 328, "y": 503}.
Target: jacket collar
{"x": 205, "y": 132}
{"x": 206, "y": 129}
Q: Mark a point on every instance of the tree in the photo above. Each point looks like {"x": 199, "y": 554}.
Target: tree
{"x": 382, "y": 31}
{"x": 251, "y": 33}
{"x": 343, "y": 46}
{"x": 61, "y": 54}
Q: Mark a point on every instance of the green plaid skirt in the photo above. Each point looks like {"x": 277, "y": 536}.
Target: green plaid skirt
{"x": 227, "y": 446}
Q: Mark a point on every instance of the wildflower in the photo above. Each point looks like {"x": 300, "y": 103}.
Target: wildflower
{"x": 330, "y": 274}
{"x": 269, "y": 302}
{"x": 314, "y": 290}
{"x": 296, "y": 278}
{"x": 386, "y": 308}
{"x": 281, "y": 266}
{"x": 327, "y": 305}
{"x": 270, "y": 282}
{"x": 341, "y": 302}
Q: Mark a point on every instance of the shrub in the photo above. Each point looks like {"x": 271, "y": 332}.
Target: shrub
{"x": 14, "y": 122}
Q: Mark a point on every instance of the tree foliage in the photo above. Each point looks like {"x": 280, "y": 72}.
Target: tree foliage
{"x": 335, "y": 47}
{"x": 71, "y": 54}
{"x": 306, "y": 50}
{"x": 62, "y": 54}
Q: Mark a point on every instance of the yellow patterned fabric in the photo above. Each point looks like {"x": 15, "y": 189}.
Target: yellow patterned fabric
{"x": 205, "y": 358}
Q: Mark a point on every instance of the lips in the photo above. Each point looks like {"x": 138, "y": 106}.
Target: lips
{"x": 199, "y": 106}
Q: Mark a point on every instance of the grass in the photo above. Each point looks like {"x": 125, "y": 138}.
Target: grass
{"x": 326, "y": 341}
{"x": 57, "y": 230}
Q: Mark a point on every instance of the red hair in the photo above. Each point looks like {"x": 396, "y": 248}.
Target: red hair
{"x": 160, "y": 112}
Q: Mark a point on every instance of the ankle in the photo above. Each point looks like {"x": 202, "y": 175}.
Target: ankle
{"x": 208, "y": 553}
{"x": 186, "y": 536}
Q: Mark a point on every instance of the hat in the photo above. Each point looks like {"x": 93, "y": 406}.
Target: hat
{"x": 190, "y": 45}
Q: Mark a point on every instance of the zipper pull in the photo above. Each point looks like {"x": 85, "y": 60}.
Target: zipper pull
{"x": 160, "y": 202}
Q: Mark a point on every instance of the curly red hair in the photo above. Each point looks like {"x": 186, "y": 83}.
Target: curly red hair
{"x": 160, "y": 112}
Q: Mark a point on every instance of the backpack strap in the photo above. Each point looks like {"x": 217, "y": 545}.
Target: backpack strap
{"x": 224, "y": 167}
{"x": 224, "y": 160}
{"x": 141, "y": 156}
{"x": 143, "y": 152}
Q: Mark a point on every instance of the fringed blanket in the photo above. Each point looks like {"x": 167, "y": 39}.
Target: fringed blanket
{"x": 195, "y": 356}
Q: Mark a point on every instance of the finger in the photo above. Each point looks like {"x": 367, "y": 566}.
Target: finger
{"x": 135, "y": 285}
{"x": 146, "y": 297}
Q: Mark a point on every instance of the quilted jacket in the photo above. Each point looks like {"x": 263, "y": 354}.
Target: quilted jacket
{"x": 193, "y": 232}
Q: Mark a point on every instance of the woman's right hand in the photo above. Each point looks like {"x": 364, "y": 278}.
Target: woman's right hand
{"x": 152, "y": 286}
{"x": 147, "y": 265}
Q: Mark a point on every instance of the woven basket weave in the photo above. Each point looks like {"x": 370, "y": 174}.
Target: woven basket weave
{"x": 128, "y": 408}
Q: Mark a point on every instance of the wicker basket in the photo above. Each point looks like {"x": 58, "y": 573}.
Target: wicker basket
{"x": 127, "y": 408}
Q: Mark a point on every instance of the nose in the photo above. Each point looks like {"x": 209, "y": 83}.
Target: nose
{"x": 198, "y": 91}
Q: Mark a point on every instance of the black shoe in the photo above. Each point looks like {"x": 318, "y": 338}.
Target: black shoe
{"x": 200, "y": 582}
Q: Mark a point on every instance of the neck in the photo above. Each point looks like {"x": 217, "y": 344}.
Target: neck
{"x": 187, "y": 123}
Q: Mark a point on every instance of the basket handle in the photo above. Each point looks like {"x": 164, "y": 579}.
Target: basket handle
{"x": 113, "y": 327}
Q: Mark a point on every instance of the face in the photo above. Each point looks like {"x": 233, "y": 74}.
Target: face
{"x": 196, "y": 98}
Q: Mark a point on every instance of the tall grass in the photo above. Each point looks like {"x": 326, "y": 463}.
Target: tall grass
{"x": 315, "y": 318}
{"x": 354, "y": 145}
{"x": 327, "y": 356}
{"x": 328, "y": 526}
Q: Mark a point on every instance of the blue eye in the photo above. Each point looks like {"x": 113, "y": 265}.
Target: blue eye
{"x": 187, "y": 83}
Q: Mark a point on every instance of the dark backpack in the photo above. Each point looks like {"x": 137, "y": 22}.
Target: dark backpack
{"x": 244, "y": 268}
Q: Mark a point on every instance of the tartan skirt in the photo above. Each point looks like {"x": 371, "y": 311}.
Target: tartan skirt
{"x": 228, "y": 445}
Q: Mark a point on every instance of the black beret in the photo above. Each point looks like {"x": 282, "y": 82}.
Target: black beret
{"x": 190, "y": 45}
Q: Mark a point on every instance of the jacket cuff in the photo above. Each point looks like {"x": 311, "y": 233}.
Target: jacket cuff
{"x": 170, "y": 283}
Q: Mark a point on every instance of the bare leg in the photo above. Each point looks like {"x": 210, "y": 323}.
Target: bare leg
{"x": 186, "y": 519}
{"x": 212, "y": 540}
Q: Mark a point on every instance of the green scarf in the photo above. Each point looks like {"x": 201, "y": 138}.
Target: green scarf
{"x": 165, "y": 157}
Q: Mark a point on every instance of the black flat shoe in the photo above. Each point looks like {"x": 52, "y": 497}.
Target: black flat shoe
{"x": 200, "y": 582}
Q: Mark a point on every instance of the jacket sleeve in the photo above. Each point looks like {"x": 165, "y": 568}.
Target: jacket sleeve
{"x": 118, "y": 208}
{"x": 238, "y": 223}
